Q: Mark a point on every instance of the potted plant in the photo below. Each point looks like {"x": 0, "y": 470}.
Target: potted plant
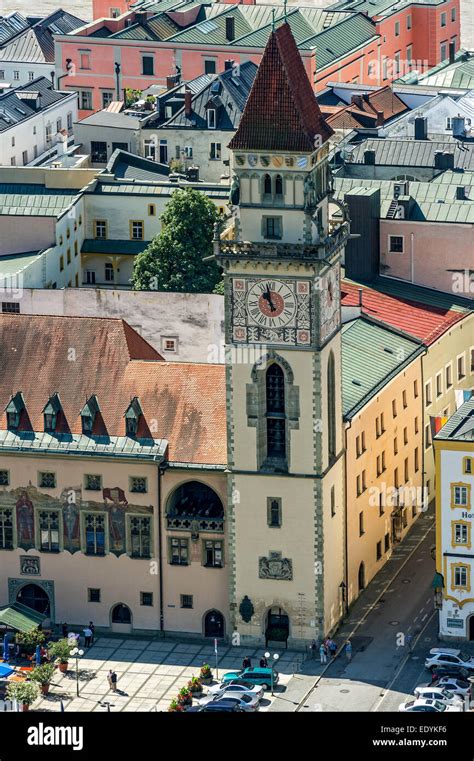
{"x": 23, "y": 692}
{"x": 206, "y": 674}
{"x": 175, "y": 705}
{"x": 43, "y": 675}
{"x": 185, "y": 696}
{"x": 61, "y": 651}
{"x": 29, "y": 640}
{"x": 195, "y": 686}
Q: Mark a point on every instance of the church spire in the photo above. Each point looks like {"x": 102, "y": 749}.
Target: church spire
{"x": 282, "y": 112}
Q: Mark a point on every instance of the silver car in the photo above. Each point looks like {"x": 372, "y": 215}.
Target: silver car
{"x": 437, "y": 693}
{"x": 231, "y": 689}
{"x": 245, "y": 702}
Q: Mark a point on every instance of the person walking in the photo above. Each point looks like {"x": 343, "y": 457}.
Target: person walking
{"x": 323, "y": 656}
{"x": 92, "y": 628}
{"x": 313, "y": 647}
{"x": 109, "y": 678}
{"x": 246, "y": 663}
{"x": 348, "y": 650}
{"x": 332, "y": 648}
{"x": 113, "y": 679}
{"x": 87, "y": 636}
{"x": 263, "y": 662}
{"x": 65, "y": 630}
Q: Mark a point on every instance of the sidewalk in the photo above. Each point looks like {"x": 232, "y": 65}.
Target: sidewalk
{"x": 301, "y": 683}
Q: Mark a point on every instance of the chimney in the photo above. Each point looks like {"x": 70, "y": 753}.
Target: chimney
{"x": 357, "y": 100}
{"x": 188, "y": 109}
{"x": 369, "y": 157}
{"x": 448, "y": 160}
{"x": 230, "y": 28}
{"x": 452, "y": 52}
{"x": 421, "y": 128}
{"x": 379, "y": 122}
{"x": 461, "y": 193}
{"x": 170, "y": 82}
{"x": 360, "y": 297}
{"x": 439, "y": 160}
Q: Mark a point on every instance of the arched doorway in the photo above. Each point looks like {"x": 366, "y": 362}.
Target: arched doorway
{"x": 470, "y": 628}
{"x": 214, "y": 624}
{"x": 361, "y": 577}
{"x": 34, "y": 596}
{"x": 277, "y": 627}
{"x": 121, "y": 618}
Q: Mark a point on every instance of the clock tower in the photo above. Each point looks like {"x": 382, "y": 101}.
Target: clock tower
{"x": 285, "y": 438}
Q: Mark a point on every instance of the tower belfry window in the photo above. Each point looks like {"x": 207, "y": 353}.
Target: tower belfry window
{"x": 276, "y": 423}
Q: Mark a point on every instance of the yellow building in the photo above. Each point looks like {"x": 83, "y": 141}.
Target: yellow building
{"x": 454, "y": 452}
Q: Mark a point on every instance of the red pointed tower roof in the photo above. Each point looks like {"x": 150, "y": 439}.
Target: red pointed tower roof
{"x": 282, "y": 113}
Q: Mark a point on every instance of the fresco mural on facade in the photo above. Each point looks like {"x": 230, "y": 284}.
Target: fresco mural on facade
{"x": 71, "y": 500}
{"x": 25, "y": 522}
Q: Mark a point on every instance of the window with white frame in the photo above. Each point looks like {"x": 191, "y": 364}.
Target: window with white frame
{"x": 215, "y": 151}
{"x": 461, "y": 367}
{"x": 211, "y": 118}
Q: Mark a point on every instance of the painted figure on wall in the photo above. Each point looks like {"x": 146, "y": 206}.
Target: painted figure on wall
{"x": 71, "y": 527}
{"x": 25, "y": 522}
{"x": 116, "y": 518}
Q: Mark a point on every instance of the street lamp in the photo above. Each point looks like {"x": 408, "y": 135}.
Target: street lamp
{"x": 76, "y": 653}
{"x": 275, "y": 658}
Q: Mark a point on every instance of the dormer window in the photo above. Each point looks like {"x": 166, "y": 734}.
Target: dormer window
{"x": 211, "y": 118}
{"x": 132, "y": 417}
{"x": 50, "y": 413}
{"x": 14, "y": 409}
{"x": 89, "y": 414}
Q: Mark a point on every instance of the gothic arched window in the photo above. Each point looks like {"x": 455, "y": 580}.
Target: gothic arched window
{"x": 279, "y": 185}
{"x": 276, "y": 422}
{"x": 331, "y": 405}
{"x": 267, "y": 185}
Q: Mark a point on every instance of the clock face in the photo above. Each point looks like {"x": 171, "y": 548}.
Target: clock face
{"x": 271, "y": 304}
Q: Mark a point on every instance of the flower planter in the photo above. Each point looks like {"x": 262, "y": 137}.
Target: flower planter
{"x": 44, "y": 688}
{"x": 63, "y": 667}
{"x": 206, "y": 680}
{"x": 25, "y": 707}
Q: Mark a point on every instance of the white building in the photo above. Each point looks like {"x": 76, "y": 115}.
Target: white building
{"x": 454, "y": 452}
{"x": 27, "y": 45}
{"x": 31, "y": 118}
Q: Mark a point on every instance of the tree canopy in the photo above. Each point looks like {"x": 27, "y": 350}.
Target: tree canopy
{"x": 173, "y": 261}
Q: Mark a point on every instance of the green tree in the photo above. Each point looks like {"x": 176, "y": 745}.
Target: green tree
{"x": 173, "y": 261}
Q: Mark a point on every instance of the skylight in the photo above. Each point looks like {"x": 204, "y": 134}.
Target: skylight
{"x": 207, "y": 26}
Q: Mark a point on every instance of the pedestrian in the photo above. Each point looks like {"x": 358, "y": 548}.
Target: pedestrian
{"x": 65, "y": 630}
{"x": 87, "y": 636}
{"x": 313, "y": 648}
{"x": 246, "y": 663}
{"x": 17, "y": 652}
{"x": 348, "y": 650}
{"x": 263, "y": 662}
{"x": 113, "y": 679}
{"x": 408, "y": 640}
{"x": 323, "y": 656}
{"x": 109, "y": 679}
{"x": 92, "y": 628}
{"x": 332, "y": 648}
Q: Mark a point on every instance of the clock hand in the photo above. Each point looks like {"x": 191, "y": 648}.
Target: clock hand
{"x": 268, "y": 297}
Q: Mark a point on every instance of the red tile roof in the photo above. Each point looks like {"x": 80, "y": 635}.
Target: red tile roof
{"x": 81, "y": 356}
{"x": 282, "y": 112}
{"x": 363, "y": 112}
{"x": 426, "y": 322}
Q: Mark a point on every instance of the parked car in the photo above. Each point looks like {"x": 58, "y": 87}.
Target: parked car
{"x": 428, "y": 706}
{"x": 229, "y": 705}
{"x": 437, "y": 693}
{"x": 246, "y": 702}
{"x": 457, "y": 686}
{"x": 235, "y": 688}
{"x": 259, "y": 676}
{"x": 449, "y": 657}
{"x": 455, "y": 672}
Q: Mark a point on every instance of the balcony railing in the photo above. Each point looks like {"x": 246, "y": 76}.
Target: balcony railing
{"x": 189, "y": 522}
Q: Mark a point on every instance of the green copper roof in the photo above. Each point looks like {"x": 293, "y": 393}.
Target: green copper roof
{"x": 20, "y": 617}
{"x": 371, "y": 356}
{"x": 34, "y": 200}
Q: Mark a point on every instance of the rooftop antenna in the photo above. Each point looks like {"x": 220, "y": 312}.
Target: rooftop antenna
{"x": 273, "y": 19}
{"x": 284, "y": 9}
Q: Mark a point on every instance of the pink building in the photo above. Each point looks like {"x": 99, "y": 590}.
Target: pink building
{"x": 144, "y": 47}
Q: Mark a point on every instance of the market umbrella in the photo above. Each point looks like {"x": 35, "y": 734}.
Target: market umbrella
{"x": 6, "y": 649}
{"x": 5, "y": 670}
{"x": 38, "y": 655}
